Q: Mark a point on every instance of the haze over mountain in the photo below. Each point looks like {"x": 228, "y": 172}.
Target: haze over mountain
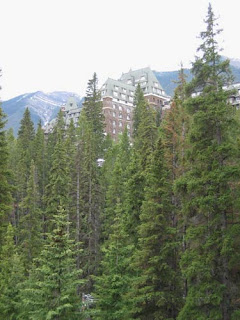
{"x": 45, "y": 106}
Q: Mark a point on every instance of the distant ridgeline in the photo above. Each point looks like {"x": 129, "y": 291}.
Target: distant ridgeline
{"x": 45, "y": 106}
{"x": 168, "y": 79}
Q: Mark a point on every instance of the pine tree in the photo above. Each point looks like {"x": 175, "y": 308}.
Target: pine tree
{"x": 145, "y": 130}
{"x": 90, "y": 198}
{"x": 57, "y": 190}
{"x": 174, "y": 129}
{"x": 145, "y": 136}
{"x": 40, "y": 159}
{"x": 30, "y": 227}
{"x": 206, "y": 190}
{"x": 11, "y": 275}
{"x": 156, "y": 290}
{"x": 51, "y": 290}
{"x": 5, "y": 189}
{"x": 116, "y": 188}
{"x": 113, "y": 282}
{"x": 24, "y": 155}
{"x": 92, "y": 107}
{"x": 71, "y": 151}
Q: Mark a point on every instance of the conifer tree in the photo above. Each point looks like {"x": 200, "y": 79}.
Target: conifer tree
{"x": 116, "y": 189}
{"x": 30, "y": 227}
{"x": 24, "y": 156}
{"x": 156, "y": 290}
{"x": 40, "y": 159}
{"x": 206, "y": 189}
{"x": 174, "y": 129}
{"x": 11, "y": 275}
{"x": 71, "y": 151}
{"x": 93, "y": 109}
{"x": 57, "y": 190}
{"x": 145, "y": 130}
{"x": 145, "y": 136}
{"x": 51, "y": 290}
{"x": 114, "y": 280}
{"x": 90, "y": 200}
{"x": 5, "y": 189}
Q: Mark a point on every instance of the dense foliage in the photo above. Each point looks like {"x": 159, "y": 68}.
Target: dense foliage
{"x": 152, "y": 234}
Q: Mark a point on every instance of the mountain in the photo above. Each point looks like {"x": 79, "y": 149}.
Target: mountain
{"x": 43, "y": 106}
{"x": 168, "y": 79}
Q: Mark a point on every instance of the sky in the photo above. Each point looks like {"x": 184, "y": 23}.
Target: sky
{"x": 57, "y": 45}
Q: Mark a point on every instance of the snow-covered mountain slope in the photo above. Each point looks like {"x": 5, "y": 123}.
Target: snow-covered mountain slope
{"x": 43, "y": 106}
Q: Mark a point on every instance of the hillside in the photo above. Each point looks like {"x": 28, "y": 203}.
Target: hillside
{"x": 168, "y": 79}
{"x": 43, "y": 106}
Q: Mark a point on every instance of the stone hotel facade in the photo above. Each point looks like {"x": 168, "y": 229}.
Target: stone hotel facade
{"x": 118, "y": 98}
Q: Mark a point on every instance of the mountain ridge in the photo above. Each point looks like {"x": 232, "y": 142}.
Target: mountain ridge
{"x": 43, "y": 106}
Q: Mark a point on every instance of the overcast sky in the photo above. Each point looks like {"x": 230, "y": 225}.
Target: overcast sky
{"x": 56, "y": 45}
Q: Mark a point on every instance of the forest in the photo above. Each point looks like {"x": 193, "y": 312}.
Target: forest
{"x": 153, "y": 233}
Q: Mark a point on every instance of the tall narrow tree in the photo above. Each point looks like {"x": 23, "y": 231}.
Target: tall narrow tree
{"x": 51, "y": 290}
{"x": 210, "y": 209}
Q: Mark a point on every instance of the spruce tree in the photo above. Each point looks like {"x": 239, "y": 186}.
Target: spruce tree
{"x": 113, "y": 282}
{"x": 30, "y": 226}
{"x": 206, "y": 189}
{"x": 51, "y": 290}
{"x": 92, "y": 107}
{"x": 145, "y": 136}
{"x": 11, "y": 276}
{"x": 116, "y": 188}
{"x": 5, "y": 189}
{"x": 40, "y": 159}
{"x": 24, "y": 155}
{"x": 57, "y": 189}
{"x": 156, "y": 290}
{"x": 90, "y": 197}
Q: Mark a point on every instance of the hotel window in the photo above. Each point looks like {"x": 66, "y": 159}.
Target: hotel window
{"x": 115, "y": 94}
{"x": 123, "y": 96}
{"x": 156, "y": 84}
{"x": 114, "y": 106}
{"x": 129, "y": 81}
{"x": 143, "y": 78}
{"x": 120, "y": 124}
{"x": 131, "y": 99}
{"x": 131, "y": 92}
{"x": 128, "y": 117}
{"x": 124, "y": 90}
{"x": 128, "y": 110}
{"x": 120, "y": 115}
{"x": 114, "y": 123}
{"x": 114, "y": 114}
{"x": 114, "y": 131}
{"x": 120, "y": 108}
{"x": 116, "y": 88}
{"x": 128, "y": 126}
